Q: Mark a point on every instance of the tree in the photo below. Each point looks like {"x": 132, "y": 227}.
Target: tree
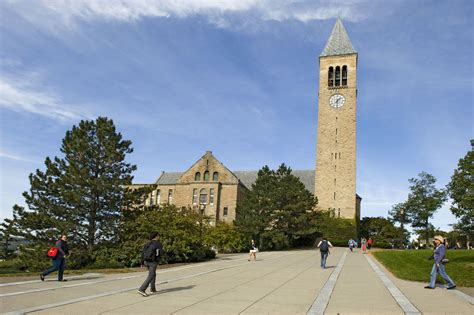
{"x": 461, "y": 191}
{"x": 423, "y": 201}
{"x": 278, "y": 211}
{"x": 380, "y": 229}
{"x": 399, "y": 214}
{"x": 6, "y": 231}
{"x": 81, "y": 193}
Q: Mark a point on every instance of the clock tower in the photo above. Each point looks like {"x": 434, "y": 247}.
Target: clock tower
{"x": 335, "y": 178}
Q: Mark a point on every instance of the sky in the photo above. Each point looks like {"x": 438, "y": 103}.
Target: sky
{"x": 238, "y": 78}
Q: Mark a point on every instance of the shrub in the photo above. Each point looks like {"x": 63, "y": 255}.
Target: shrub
{"x": 225, "y": 238}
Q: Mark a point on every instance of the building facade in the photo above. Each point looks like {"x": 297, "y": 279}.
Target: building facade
{"x": 214, "y": 190}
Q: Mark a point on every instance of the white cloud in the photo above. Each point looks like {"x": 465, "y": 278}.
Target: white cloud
{"x": 25, "y": 94}
{"x": 16, "y": 157}
{"x": 51, "y": 13}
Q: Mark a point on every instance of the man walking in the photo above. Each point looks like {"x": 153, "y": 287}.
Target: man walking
{"x": 324, "y": 249}
{"x": 438, "y": 266}
{"x": 150, "y": 257}
{"x": 59, "y": 261}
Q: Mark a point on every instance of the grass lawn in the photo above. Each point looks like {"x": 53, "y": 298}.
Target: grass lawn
{"x": 414, "y": 265}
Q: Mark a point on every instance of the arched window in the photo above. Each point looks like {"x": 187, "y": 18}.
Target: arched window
{"x": 206, "y": 176}
{"x": 195, "y": 196}
{"x": 158, "y": 196}
{"x": 203, "y": 196}
{"x": 338, "y": 76}
{"x": 211, "y": 196}
{"x": 344, "y": 75}
{"x": 197, "y": 176}
{"x": 215, "y": 176}
{"x": 170, "y": 196}
{"x": 331, "y": 76}
{"x": 152, "y": 198}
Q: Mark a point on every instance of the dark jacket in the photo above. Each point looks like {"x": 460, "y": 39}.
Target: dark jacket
{"x": 63, "y": 250}
{"x": 157, "y": 247}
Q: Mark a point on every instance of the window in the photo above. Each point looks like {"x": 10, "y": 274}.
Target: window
{"x": 158, "y": 197}
{"x": 336, "y": 131}
{"x": 195, "y": 196}
{"x": 152, "y": 198}
{"x": 339, "y": 154}
{"x": 332, "y": 155}
{"x": 334, "y": 181}
{"x": 211, "y": 196}
{"x": 197, "y": 176}
{"x": 215, "y": 176}
{"x": 170, "y": 196}
{"x": 344, "y": 75}
{"x": 339, "y": 212}
{"x": 206, "y": 176}
{"x": 334, "y": 195}
{"x": 226, "y": 211}
{"x": 331, "y": 76}
{"x": 203, "y": 196}
{"x": 338, "y": 76}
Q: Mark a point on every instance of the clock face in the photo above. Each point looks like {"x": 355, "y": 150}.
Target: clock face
{"x": 337, "y": 100}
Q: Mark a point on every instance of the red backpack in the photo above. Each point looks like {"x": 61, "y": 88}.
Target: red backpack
{"x": 52, "y": 252}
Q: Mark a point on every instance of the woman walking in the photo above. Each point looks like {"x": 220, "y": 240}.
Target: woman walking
{"x": 59, "y": 261}
{"x": 438, "y": 266}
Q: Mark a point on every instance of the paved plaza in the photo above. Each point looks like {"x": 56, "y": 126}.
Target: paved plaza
{"x": 288, "y": 282}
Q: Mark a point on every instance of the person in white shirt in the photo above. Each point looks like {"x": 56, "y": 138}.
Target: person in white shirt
{"x": 324, "y": 246}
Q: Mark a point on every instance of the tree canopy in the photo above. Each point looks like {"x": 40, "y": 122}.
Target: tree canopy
{"x": 82, "y": 192}
{"x": 278, "y": 211}
{"x": 461, "y": 191}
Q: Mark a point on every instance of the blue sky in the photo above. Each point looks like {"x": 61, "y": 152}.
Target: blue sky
{"x": 239, "y": 78}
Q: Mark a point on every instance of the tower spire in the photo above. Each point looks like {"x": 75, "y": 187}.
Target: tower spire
{"x": 338, "y": 42}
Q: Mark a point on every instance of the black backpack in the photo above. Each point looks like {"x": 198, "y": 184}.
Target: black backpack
{"x": 149, "y": 252}
{"x": 324, "y": 246}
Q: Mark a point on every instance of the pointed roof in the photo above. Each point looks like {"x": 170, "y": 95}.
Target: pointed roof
{"x": 339, "y": 42}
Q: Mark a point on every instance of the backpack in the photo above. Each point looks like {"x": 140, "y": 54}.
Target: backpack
{"x": 149, "y": 252}
{"x": 324, "y": 246}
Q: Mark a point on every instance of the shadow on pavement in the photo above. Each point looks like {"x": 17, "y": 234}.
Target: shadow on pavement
{"x": 189, "y": 287}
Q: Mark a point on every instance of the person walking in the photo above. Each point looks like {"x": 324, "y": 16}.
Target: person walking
{"x": 351, "y": 244}
{"x": 150, "y": 257}
{"x": 363, "y": 245}
{"x": 253, "y": 250}
{"x": 369, "y": 243}
{"x": 59, "y": 261}
{"x": 324, "y": 246}
{"x": 438, "y": 266}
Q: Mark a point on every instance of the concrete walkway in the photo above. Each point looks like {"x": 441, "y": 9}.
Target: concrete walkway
{"x": 277, "y": 283}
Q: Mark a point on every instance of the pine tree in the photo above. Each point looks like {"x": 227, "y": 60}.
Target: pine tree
{"x": 82, "y": 193}
{"x": 278, "y": 209}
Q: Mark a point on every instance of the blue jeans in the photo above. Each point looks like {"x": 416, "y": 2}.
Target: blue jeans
{"x": 324, "y": 256}
{"x": 443, "y": 274}
{"x": 58, "y": 264}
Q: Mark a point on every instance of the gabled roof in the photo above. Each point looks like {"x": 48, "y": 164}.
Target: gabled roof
{"x": 339, "y": 42}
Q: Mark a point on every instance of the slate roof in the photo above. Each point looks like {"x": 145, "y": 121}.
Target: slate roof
{"x": 169, "y": 178}
{"x": 247, "y": 178}
{"x": 339, "y": 42}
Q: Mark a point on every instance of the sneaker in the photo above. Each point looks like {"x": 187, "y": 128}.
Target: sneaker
{"x": 143, "y": 293}
{"x": 42, "y": 277}
{"x": 452, "y": 288}
{"x": 63, "y": 280}
{"x": 428, "y": 287}
{"x": 153, "y": 291}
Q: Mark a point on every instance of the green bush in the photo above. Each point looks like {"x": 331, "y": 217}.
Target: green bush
{"x": 274, "y": 240}
{"x": 12, "y": 266}
{"x": 225, "y": 238}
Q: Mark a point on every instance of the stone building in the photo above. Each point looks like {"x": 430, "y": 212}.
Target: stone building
{"x": 210, "y": 187}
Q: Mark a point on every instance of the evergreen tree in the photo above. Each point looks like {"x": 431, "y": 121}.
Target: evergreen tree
{"x": 82, "y": 193}
{"x": 423, "y": 201}
{"x": 278, "y": 210}
{"x": 461, "y": 191}
{"x": 6, "y": 231}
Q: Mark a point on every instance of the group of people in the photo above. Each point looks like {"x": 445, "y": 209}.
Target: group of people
{"x": 153, "y": 250}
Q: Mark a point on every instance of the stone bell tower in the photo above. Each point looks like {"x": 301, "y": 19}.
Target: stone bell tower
{"x": 335, "y": 179}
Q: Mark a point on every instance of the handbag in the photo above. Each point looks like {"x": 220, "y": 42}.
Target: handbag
{"x": 52, "y": 252}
